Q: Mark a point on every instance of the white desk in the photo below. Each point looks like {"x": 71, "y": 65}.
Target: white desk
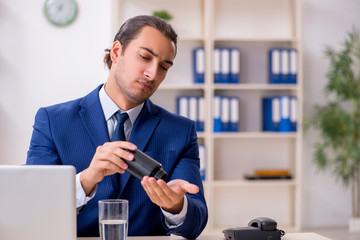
{"x": 288, "y": 236}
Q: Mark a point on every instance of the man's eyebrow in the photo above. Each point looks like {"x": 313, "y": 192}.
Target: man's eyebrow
{"x": 154, "y": 54}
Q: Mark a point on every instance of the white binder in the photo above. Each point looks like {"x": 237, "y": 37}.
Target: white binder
{"x": 216, "y": 63}
{"x": 234, "y": 65}
{"x": 225, "y": 65}
{"x": 284, "y": 66}
{"x": 225, "y": 114}
{"x": 234, "y": 114}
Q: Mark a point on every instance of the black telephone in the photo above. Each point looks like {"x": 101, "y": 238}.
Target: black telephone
{"x": 262, "y": 228}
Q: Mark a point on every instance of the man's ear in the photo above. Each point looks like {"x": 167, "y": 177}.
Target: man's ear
{"x": 115, "y": 51}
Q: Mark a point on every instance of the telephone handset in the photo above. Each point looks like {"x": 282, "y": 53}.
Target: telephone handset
{"x": 264, "y": 223}
{"x": 258, "y": 228}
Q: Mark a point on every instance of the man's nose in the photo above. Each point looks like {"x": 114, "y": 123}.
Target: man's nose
{"x": 151, "y": 71}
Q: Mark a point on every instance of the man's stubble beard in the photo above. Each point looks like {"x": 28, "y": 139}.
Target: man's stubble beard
{"x": 128, "y": 92}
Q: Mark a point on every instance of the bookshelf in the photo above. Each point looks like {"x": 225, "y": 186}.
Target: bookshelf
{"x": 253, "y": 26}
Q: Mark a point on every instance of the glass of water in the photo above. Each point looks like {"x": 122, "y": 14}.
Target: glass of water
{"x": 113, "y": 219}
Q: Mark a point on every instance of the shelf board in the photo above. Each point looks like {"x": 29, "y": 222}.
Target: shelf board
{"x": 246, "y": 135}
{"x": 191, "y": 38}
{"x": 200, "y": 134}
{"x": 249, "y": 86}
{"x": 256, "y": 40}
{"x": 238, "y": 86}
{"x": 253, "y": 183}
{"x": 181, "y": 87}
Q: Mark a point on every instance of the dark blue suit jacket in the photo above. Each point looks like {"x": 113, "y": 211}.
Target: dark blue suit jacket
{"x": 69, "y": 133}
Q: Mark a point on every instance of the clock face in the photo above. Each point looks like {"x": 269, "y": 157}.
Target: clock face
{"x": 60, "y": 12}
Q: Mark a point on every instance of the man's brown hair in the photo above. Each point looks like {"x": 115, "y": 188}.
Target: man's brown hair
{"x": 131, "y": 28}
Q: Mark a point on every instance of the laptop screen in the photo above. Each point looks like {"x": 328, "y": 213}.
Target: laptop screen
{"x": 37, "y": 202}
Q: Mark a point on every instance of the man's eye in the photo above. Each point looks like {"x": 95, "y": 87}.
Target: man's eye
{"x": 164, "y": 68}
{"x": 144, "y": 57}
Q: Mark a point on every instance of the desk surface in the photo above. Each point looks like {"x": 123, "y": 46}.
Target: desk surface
{"x": 288, "y": 236}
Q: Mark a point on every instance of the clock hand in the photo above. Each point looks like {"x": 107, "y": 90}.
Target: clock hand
{"x": 60, "y": 7}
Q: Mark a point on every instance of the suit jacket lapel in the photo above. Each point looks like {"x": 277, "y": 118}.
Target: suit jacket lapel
{"x": 92, "y": 116}
{"x": 141, "y": 133}
{"x": 144, "y": 125}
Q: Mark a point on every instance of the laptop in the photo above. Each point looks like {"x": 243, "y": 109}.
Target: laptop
{"x": 37, "y": 203}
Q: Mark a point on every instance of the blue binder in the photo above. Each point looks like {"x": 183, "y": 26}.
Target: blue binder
{"x": 217, "y": 76}
{"x": 234, "y": 65}
{"x": 271, "y": 114}
{"x": 217, "y": 113}
{"x": 202, "y": 155}
{"x": 293, "y": 69}
{"x": 293, "y": 114}
{"x": 284, "y": 125}
{"x": 200, "y": 123}
{"x": 234, "y": 114}
{"x": 183, "y": 106}
{"x": 193, "y": 108}
{"x": 199, "y": 65}
{"x": 284, "y": 66}
{"x": 275, "y": 65}
{"x": 225, "y": 65}
{"x": 225, "y": 114}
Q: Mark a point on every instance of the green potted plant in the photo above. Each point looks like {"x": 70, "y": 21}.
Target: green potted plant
{"x": 338, "y": 121}
{"x": 163, "y": 14}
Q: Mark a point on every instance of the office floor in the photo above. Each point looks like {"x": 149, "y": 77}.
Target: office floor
{"x": 335, "y": 233}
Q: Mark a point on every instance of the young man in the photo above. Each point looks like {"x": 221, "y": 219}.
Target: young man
{"x": 79, "y": 133}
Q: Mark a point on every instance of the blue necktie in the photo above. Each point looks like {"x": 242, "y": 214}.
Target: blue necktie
{"x": 119, "y": 133}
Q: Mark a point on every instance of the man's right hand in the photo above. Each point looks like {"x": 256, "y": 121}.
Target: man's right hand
{"x": 107, "y": 160}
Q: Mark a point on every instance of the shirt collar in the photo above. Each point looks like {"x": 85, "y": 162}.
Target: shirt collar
{"x": 109, "y": 107}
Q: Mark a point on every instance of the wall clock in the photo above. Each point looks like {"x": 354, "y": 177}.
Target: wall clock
{"x": 60, "y": 12}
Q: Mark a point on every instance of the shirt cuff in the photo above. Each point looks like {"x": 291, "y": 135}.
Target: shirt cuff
{"x": 81, "y": 198}
{"x": 175, "y": 220}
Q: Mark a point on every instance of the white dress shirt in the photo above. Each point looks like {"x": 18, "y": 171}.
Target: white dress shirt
{"x": 109, "y": 109}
